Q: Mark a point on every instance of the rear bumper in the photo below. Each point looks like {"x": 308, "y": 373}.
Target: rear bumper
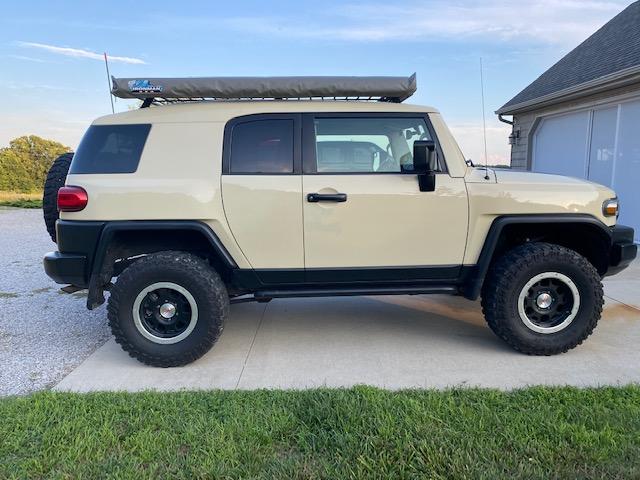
{"x": 66, "y": 268}
{"x": 623, "y": 249}
{"x": 77, "y": 243}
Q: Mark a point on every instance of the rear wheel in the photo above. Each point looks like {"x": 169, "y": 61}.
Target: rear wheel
{"x": 542, "y": 299}
{"x": 56, "y": 177}
{"x": 168, "y": 309}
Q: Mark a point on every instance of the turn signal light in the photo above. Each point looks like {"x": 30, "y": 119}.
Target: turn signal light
{"x": 610, "y": 208}
{"x": 72, "y": 199}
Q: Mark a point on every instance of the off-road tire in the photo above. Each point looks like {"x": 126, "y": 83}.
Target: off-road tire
{"x": 190, "y": 272}
{"x": 510, "y": 273}
{"x": 56, "y": 177}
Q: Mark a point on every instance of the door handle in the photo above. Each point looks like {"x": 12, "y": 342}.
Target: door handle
{"x": 326, "y": 197}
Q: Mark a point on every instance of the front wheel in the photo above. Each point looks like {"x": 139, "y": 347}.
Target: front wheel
{"x": 168, "y": 308}
{"x": 542, "y": 299}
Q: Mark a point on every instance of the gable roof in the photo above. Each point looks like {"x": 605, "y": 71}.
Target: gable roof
{"x": 614, "y": 49}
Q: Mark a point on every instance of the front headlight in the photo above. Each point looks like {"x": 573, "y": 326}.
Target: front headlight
{"x": 611, "y": 207}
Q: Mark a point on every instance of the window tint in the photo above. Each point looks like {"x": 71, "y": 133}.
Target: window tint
{"x": 367, "y": 145}
{"x": 110, "y": 149}
{"x": 262, "y": 146}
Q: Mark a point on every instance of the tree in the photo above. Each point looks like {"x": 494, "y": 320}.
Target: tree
{"x": 25, "y": 162}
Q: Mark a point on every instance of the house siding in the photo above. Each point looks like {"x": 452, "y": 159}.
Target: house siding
{"x": 526, "y": 122}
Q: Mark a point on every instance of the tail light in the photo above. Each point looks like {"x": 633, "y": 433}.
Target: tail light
{"x": 72, "y": 199}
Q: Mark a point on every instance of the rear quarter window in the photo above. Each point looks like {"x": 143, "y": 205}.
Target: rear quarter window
{"x": 110, "y": 149}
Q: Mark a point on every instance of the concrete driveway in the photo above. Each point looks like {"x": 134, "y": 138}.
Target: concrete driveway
{"x": 390, "y": 342}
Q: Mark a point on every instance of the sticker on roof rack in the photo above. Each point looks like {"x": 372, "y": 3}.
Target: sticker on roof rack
{"x": 144, "y": 86}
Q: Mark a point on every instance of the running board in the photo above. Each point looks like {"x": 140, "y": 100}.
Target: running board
{"x": 342, "y": 292}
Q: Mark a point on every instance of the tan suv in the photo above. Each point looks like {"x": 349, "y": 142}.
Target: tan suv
{"x": 223, "y": 190}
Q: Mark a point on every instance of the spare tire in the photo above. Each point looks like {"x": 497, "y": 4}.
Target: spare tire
{"x": 55, "y": 179}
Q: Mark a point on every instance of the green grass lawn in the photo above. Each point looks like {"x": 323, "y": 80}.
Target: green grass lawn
{"x": 22, "y": 203}
{"x": 356, "y": 433}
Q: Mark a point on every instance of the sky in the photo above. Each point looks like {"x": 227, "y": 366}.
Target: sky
{"x": 53, "y": 81}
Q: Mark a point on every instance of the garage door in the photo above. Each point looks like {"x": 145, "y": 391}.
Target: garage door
{"x": 560, "y": 145}
{"x": 602, "y": 145}
{"x": 626, "y": 168}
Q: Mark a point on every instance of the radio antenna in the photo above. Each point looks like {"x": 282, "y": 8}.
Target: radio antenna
{"x": 106, "y": 64}
{"x": 484, "y": 124}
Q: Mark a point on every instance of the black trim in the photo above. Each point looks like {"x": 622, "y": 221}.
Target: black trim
{"x": 622, "y": 234}
{"x": 293, "y": 276}
{"x": 326, "y": 197}
{"x": 263, "y": 295}
{"x": 99, "y": 275}
{"x": 173, "y": 225}
{"x": 623, "y": 249}
{"x": 83, "y": 247}
{"x": 297, "y": 141}
{"x": 336, "y": 278}
{"x": 475, "y": 275}
{"x": 66, "y": 268}
{"x": 309, "y": 163}
{"x": 408, "y": 274}
{"x": 79, "y": 238}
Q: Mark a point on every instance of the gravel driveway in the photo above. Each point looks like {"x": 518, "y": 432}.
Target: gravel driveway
{"x": 44, "y": 333}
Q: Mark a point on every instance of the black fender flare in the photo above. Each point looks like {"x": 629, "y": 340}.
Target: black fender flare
{"x": 95, "y": 296}
{"x": 475, "y": 277}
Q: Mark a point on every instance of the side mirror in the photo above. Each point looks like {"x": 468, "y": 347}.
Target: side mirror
{"x": 423, "y": 161}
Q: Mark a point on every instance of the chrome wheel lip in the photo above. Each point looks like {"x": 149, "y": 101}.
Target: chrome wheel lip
{"x": 154, "y": 338}
{"x": 567, "y": 321}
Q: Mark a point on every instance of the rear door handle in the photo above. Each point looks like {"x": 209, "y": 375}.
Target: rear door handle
{"x": 326, "y": 197}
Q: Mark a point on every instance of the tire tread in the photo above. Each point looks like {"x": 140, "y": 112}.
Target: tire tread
{"x": 195, "y": 267}
{"x": 56, "y": 178}
{"x": 502, "y": 277}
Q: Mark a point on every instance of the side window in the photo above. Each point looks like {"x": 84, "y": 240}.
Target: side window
{"x": 262, "y": 146}
{"x": 110, "y": 149}
{"x": 367, "y": 145}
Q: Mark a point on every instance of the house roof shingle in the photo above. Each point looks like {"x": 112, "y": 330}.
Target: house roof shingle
{"x": 614, "y": 47}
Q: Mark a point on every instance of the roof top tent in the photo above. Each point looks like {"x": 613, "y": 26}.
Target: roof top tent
{"x": 168, "y": 90}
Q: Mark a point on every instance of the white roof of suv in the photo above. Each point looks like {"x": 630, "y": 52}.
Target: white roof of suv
{"x": 224, "y": 110}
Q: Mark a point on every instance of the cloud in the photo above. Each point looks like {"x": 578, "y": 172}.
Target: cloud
{"x": 470, "y": 136}
{"x": 79, "y": 53}
{"x": 556, "y": 22}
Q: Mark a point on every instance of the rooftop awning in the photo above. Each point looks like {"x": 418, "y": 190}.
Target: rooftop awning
{"x": 391, "y": 89}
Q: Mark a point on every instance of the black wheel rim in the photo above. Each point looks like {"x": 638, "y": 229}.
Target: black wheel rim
{"x": 548, "y": 303}
{"x": 161, "y": 320}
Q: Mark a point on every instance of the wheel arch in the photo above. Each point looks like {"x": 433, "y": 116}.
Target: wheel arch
{"x": 123, "y": 242}
{"x": 580, "y": 232}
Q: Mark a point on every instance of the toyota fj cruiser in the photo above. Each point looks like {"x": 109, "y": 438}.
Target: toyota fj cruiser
{"x": 221, "y": 190}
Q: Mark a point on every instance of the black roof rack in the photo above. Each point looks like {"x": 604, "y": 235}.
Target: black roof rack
{"x": 171, "y": 90}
